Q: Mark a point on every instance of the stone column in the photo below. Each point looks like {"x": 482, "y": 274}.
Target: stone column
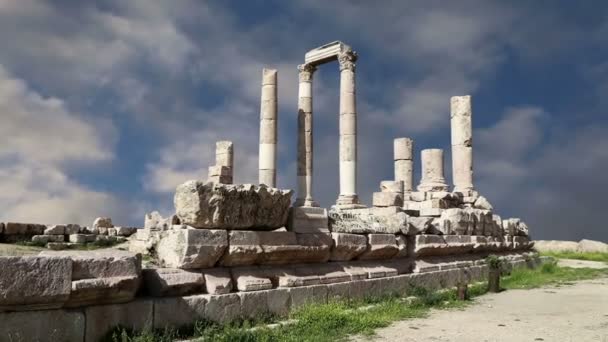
{"x": 222, "y": 171}
{"x": 462, "y": 143}
{"x": 268, "y": 129}
{"x": 348, "y": 130}
{"x": 404, "y": 162}
{"x": 432, "y": 171}
{"x": 305, "y": 157}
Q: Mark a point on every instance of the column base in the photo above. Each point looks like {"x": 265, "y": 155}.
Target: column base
{"x": 349, "y": 202}
{"x": 433, "y": 186}
{"x": 301, "y": 202}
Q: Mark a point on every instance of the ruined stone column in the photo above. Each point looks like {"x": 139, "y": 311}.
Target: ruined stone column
{"x": 348, "y": 130}
{"x": 404, "y": 163}
{"x": 462, "y": 143}
{"x": 305, "y": 137}
{"x": 268, "y": 129}
{"x": 222, "y": 171}
{"x": 432, "y": 171}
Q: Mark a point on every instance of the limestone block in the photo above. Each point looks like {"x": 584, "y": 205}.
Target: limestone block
{"x": 380, "y": 246}
{"x": 47, "y": 238}
{"x": 419, "y": 196}
{"x": 224, "y": 152}
{"x": 300, "y": 296}
{"x": 416, "y": 225}
{"x": 218, "y": 280}
{"x": 103, "y": 222}
{"x": 315, "y": 248}
{"x": 249, "y": 279}
{"x": 402, "y": 245}
{"x": 231, "y": 206}
{"x": 522, "y": 242}
{"x": 442, "y": 244}
{"x": 191, "y": 248}
{"x": 72, "y": 229}
{"x": 34, "y": 282}
{"x": 431, "y": 212}
{"x": 21, "y": 231}
{"x": 322, "y": 273}
{"x": 224, "y": 308}
{"x": 482, "y": 203}
{"x": 456, "y": 221}
{"x": 387, "y": 199}
{"x": 44, "y": 325}
{"x": 155, "y": 221}
{"x": 111, "y": 231}
{"x": 243, "y": 248}
{"x": 58, "y": 229}
{"x": 101, "y": 263}
{"x": 403, "y": 149}
{"x": 161, "y": 282}
{"x": 368, "y": 220}
{"x": 125, "y": 231}
{"x": 57, "y": 246}
{"x": 308, "y": 220}
{"x": 101, "y": 319}
{"x": 253, "y": 304}
{"x": 98, "y": 291}
{"x": 347, "y": 246}
{"x": 391, "y": 186}
{"x": 434, "y": 203}
{"x": 172, "y": 312}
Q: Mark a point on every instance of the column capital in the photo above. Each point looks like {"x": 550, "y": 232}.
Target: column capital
{"x": 305, "y": 72}
{"x": 347, "y": 60}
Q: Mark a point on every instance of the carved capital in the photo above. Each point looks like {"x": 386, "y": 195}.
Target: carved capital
{"x": 347, "y": 60}
{"x": 306, "y": 71}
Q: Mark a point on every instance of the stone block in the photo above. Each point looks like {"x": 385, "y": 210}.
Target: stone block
{"x": 44, "y": 239}
{"x": 137, "y": 315}
{"x": 435, "y": 212}
{"x": 223, "y": 308}
{"x": 191, "y": 248}
{"x": 161, "y": 282}
{"x": 175, "y": 312}
{"x": 308, "y": 220}
{"x": 154, "y": 221}
{"x": 434, "y": 203}
{"x": 388, "y": 220}
{"x": 58, "y": 229}
{"x": 416, "y": 225}
{"x": 338, "y": 291}
{"x": 300, "y": 296}
{"x": 221, "y": 206}
{"x": 34, "y": 282}
{"x": 250, "y": 279}
{"x": 380, "y": 246}
{"x": 82, "y": 238}
{"x": 72, "y": 229}
{"x": 99, "y": 291}
{"x": 57, "y": 246}
{"x": 45, "y": 325}
{"x": 254, "y": 304}
{"x": 482, "y": 203}
{"x": 392, "y": 186}
{"x": 591, "y": 246}
{"x": 419, "y": 196}
{"x": 101, "y": 263}
{"x": 103, "y": 222}
{"x": 347, "y": 246}
{"x": 402, "y": 245}
{"x": 218, "y": 280}
{"x": 387, "y": 199}
{"x": 315, "y": 248}
{"x": 125, "y": 231}
{"x": 322, "y": 274}
{"x": 112, "y": 232}
{"x": 279, "y": 302}
{"x": 243, "y": 248}
{"x": 14, "y": 231}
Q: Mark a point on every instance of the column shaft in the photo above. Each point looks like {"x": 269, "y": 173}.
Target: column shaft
{"x": 268, "y": 129}
{"x": 404, "y": 163}
{"x": 432, "y": 171}
{"x": 462, "y": 143}
{"x": 305, "y": 142}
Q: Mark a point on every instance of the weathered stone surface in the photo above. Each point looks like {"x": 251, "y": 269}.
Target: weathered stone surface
{"x": 191, "y": 248}
{"x": 223, "y": 308}
{"x": 244, "y": 248}
{"x": 316, "y": 294}
{"x": 590, "y": 246}
{"x": 416, "y": 225}
{"x": 362, "y": 221}
{"x": 101, "y": 263}
{"x": 250, "y": 279}
{"x": 387, "y": 199}
{"x": 172, "y": 312}
{"x": 347, "y": 246}
{"x": 101, "y": 319}
{"x": 289, "y": 247}
{"x": 380, "y": 246}
{"x": 555, "y": 246}
{"x": 431, "y": 212}
{"x": 457, "y": 221}
{"x": 403, "y": 245}
{"x": 224, "y": 206}
{"x": 161, "y": 282}
{"x": 125, "y": 231}
{"x": 45, "y": 325}
{"x": 58, "y": 229}
{"x": 107, "y": 290}
{"x": 34, "y": 282}
{"x": 103, "y": 222}
{"x": 253, "y": 304}
{"x": 72, "y": 229}
{"x": 392, "y": 186}
{"x": 14, "y": 231}
{"x": 442, "y": 244}
{"x": 82, "y": 238}
{"x": 47, "y": 238}
{"x": 218, "y": 280}
{"x": 57, "y": 246}
{"x": 482, "y": 203}
{"x": 315, "y": 247}
{"x": 154, "y": 221}
{"x": 308, "y": 220}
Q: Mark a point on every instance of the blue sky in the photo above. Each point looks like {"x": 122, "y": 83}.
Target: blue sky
{"x": 106, "y": 106}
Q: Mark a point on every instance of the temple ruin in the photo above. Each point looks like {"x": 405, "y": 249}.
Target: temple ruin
{"x": 234, "y": 250}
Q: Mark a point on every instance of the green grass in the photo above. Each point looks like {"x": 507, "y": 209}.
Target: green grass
{"x": 337, "y": 320}
{"x": 548, "y": 274}
{"x": 595, "y": 256}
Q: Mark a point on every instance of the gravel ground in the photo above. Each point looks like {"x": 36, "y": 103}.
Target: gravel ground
{"x": 576, "y": 312}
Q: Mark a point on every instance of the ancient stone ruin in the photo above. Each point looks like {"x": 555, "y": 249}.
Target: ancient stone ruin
{"x": 235, "y": 250}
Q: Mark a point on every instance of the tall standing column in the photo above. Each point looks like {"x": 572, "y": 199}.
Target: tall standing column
{"x": 462, "y": 143}
{"x": 348, "y": 130}
{"x": 305, "y": 157}
{"x": 268, "y": 129}
{"x": 404, "y": 162}
{"x": 432, "y": 171}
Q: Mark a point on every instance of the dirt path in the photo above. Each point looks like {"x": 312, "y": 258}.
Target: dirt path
{"x": 577, "y": 312}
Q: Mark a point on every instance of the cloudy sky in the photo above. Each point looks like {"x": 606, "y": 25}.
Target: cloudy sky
{"x": 106, "y": 106}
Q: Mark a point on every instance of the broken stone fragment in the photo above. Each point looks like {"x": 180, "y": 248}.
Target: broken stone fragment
{"x": 225, "y": 206}
{"x": 482, "y": 203}
{"x": 387, "y": 199}
{"x": 416, "y": 225}
{"x": 58, "y": 229}
{"x": 103, "y": 222}
{"x": 155, "y": 221}
{"x": 162, "y": 282}
{"x": 218, "y": 280}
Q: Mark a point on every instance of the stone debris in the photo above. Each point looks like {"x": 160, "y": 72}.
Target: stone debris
{"x": 223, "y": 206}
